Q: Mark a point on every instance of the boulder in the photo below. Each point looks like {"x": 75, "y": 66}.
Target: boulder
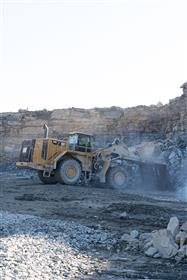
{"x": 123, "y": 215}
{"x": 184, "y": 227}
{"x": 173, "y": 226}
{"x": 151, "y": 251}
{"x": 145, "y": 237}
{"x": 134, "y": 234}
{"x": 181, "y": 238}
{"x": 147, "y": 245}
{"x": 126, "y": 237}
{"x": 164, "y": 242}
{"x": 181, "y": 254}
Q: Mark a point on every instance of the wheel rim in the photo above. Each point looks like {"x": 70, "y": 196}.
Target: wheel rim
{"x": 71, "y": 172}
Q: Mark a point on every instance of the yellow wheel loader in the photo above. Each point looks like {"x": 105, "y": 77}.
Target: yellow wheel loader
{"x": 75, "y": 161}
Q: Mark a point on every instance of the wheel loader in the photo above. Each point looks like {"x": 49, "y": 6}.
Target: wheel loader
{"x": 75, "y": 161}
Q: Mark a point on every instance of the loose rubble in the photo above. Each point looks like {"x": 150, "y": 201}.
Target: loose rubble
{"x": 36, "y": 248}
{"x": 111, "y": 244}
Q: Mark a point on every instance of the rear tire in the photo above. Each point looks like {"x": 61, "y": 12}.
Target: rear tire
{"x": 117, "y": 178}
{"x": 46, "y": 180}
{"x": 69, "y": 172}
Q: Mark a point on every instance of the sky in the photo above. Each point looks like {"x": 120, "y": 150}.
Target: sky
{"x": 91, "y": 53}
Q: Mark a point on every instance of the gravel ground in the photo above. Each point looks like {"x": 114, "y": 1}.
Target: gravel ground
{"x": 36, "y": 248}
{"x": 75, "y": 232}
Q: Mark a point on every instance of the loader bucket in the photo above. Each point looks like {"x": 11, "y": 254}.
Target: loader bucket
{"x": 155, "y": 176}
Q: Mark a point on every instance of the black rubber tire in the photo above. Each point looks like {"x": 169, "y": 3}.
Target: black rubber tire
{"x": 117, "y": 178}
{"x": 58, "y": 176}
{"x": 69, "y": 172}
{"x": 47, "y": 180}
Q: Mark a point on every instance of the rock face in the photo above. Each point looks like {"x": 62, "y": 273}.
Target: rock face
{"x": 134, "y": 124}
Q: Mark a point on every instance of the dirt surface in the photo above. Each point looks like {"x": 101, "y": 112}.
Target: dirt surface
{"x": 101, "y": 208}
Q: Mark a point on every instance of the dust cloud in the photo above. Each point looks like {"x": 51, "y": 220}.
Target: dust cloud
{"x": 182, "y": 189}
{"x": 161, "y": 170}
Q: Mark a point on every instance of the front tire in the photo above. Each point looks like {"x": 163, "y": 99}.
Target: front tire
{"x": 117, "y": 178}
{"x": 69, "y": 172}
{"x": 46, "y": 180}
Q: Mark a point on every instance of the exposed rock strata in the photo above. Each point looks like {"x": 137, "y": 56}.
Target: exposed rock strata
{"x": 134, "y": 124}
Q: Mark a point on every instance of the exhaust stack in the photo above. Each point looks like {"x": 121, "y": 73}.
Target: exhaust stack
{"x": 46, "y": 131}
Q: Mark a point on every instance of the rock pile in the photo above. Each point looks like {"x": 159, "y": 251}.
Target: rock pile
{"x": 36, "y": 248}
{"x": 168, "y": 243}
{"x": 164, "y": 243}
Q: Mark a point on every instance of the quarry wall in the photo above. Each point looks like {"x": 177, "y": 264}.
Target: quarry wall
{"x": 135, "y": 124}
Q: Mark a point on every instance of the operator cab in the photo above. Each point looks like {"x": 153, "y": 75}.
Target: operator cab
{"x": 80, "y": 142}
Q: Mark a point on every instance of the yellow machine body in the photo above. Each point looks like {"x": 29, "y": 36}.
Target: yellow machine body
{"x": 75, "y": 160}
